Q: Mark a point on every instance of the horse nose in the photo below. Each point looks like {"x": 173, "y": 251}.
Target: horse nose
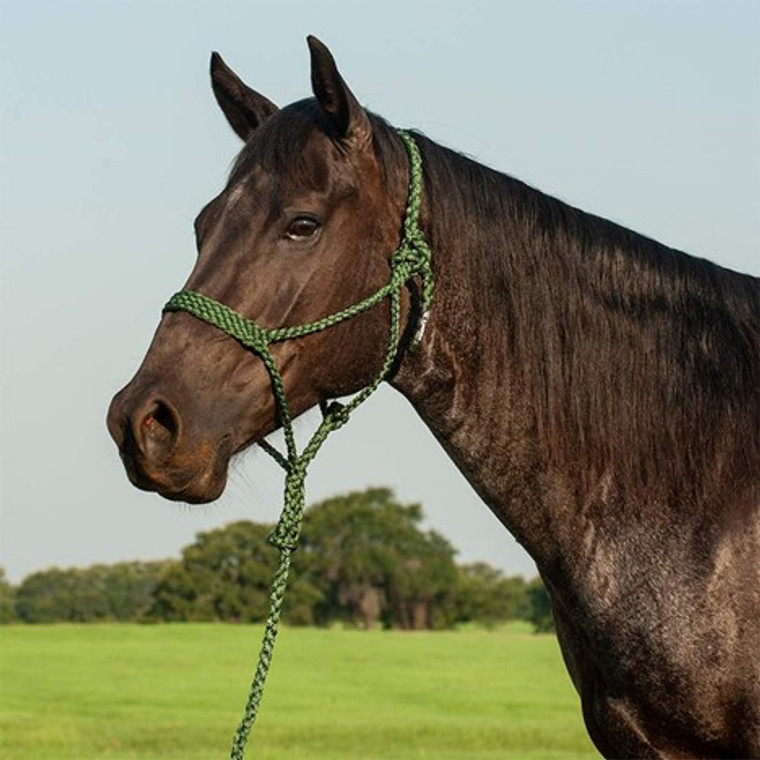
{"x": 116, "y": 419}
{"x": 152, "y": 423}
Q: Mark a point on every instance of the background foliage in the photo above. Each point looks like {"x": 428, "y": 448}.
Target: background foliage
{"x": 364, "y": 560}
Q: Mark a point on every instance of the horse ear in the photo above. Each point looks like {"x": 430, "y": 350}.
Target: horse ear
{"x": 346, "y": 117}
{"x": 244, "y": 108}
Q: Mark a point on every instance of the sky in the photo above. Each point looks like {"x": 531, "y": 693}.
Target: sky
{"x": 647, "y": 113}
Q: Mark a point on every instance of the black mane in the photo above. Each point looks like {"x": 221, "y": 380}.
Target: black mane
{"x": 633, "y": 353}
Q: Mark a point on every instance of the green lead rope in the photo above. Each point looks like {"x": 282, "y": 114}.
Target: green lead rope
{"x": 412, "y": 259}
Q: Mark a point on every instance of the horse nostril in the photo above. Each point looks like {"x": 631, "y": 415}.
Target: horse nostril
{"x": 158, "y": 428}
{"x": 160, "y": 423}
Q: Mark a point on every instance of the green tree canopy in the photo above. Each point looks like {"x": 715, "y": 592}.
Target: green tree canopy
{"x": 100, "y": 592}
{"x": 225, "y": 575}
{"x": 485, "y": 595}
{"x": 364, "y": 559}
{"x": 373, "y": 563}
{"x": 540, "y": 607}
{"x": 7, "y": 600}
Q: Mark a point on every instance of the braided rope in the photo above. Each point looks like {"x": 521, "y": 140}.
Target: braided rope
{"x": 412, "y": 259}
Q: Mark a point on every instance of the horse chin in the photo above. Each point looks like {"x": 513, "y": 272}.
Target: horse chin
{"x": 199, "y": 488}
{"x": 190, "y": 497}
{"x": 197, "y": 479}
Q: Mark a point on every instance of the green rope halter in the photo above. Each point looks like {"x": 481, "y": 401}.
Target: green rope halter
{"x": 411, "y": 259}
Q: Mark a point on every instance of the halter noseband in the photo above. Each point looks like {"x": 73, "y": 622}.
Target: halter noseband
{"x": 411, "y": 259}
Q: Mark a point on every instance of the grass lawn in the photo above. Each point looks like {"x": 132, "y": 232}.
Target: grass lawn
{"x": 177, "y": 691}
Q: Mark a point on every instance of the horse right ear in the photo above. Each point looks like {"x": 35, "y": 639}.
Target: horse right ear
{"x": 347, "y": 119}
{"x": 244, "y": 108}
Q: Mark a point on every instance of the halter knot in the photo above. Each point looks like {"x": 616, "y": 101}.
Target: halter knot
{"x": 411, "y": 258}
{"x": 337, "y": 413}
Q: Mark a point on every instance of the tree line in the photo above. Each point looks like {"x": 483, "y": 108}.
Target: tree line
{"x": 363, "y": 560}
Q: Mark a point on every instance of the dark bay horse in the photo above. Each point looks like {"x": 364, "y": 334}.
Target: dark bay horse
{"x": 599, "y": 390}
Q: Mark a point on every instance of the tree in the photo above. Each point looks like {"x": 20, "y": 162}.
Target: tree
{"x": 540, "y": 607}
{"x": 422, "y": 582}
{"x": 372, "y": 563}
{"x": 101, "y": 592}
{"x": 485, "y": 595}
{"x": 7, "y": 600}
{"x": 47, "y": 596}
{"x": 128, "y": 588}
{"x": 225, "y": 575}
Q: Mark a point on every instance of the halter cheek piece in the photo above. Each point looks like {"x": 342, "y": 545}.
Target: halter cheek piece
{"x": 411, "y": 259}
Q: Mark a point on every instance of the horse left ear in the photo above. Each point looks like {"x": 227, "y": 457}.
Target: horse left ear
{"x": 347, "y": 119}
{"x": 244, "y": 108}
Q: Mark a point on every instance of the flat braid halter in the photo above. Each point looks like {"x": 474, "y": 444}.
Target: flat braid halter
{"x": 411, "y": 259}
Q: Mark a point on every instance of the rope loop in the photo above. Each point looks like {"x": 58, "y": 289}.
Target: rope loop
{"x": 285, "y": 537}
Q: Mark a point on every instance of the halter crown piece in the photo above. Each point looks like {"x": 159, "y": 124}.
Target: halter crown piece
{"x": 411, "y": 259}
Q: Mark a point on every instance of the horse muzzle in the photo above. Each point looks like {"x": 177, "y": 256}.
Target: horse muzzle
{"x": 157, "y": 453}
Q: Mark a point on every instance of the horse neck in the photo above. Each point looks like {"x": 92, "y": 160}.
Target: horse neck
{"x": 555, "y": 352}
{"x": 462, "y": 380}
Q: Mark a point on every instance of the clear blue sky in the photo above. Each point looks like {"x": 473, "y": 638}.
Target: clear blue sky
{"x": 647, "y": 113}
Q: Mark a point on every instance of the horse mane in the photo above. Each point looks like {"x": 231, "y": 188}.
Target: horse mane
{"x": 637, "y": 359}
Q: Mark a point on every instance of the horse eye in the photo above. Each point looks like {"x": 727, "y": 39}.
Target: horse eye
{"x": 302, "y": 227}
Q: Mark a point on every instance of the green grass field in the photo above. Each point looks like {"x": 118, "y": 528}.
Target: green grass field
{"x": 177, "y": 691}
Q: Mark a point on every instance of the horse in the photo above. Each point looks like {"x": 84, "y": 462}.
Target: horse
{"x": 599, "y": 390}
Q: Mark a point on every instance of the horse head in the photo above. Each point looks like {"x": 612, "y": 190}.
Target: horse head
{"x": 304, "y": 227}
